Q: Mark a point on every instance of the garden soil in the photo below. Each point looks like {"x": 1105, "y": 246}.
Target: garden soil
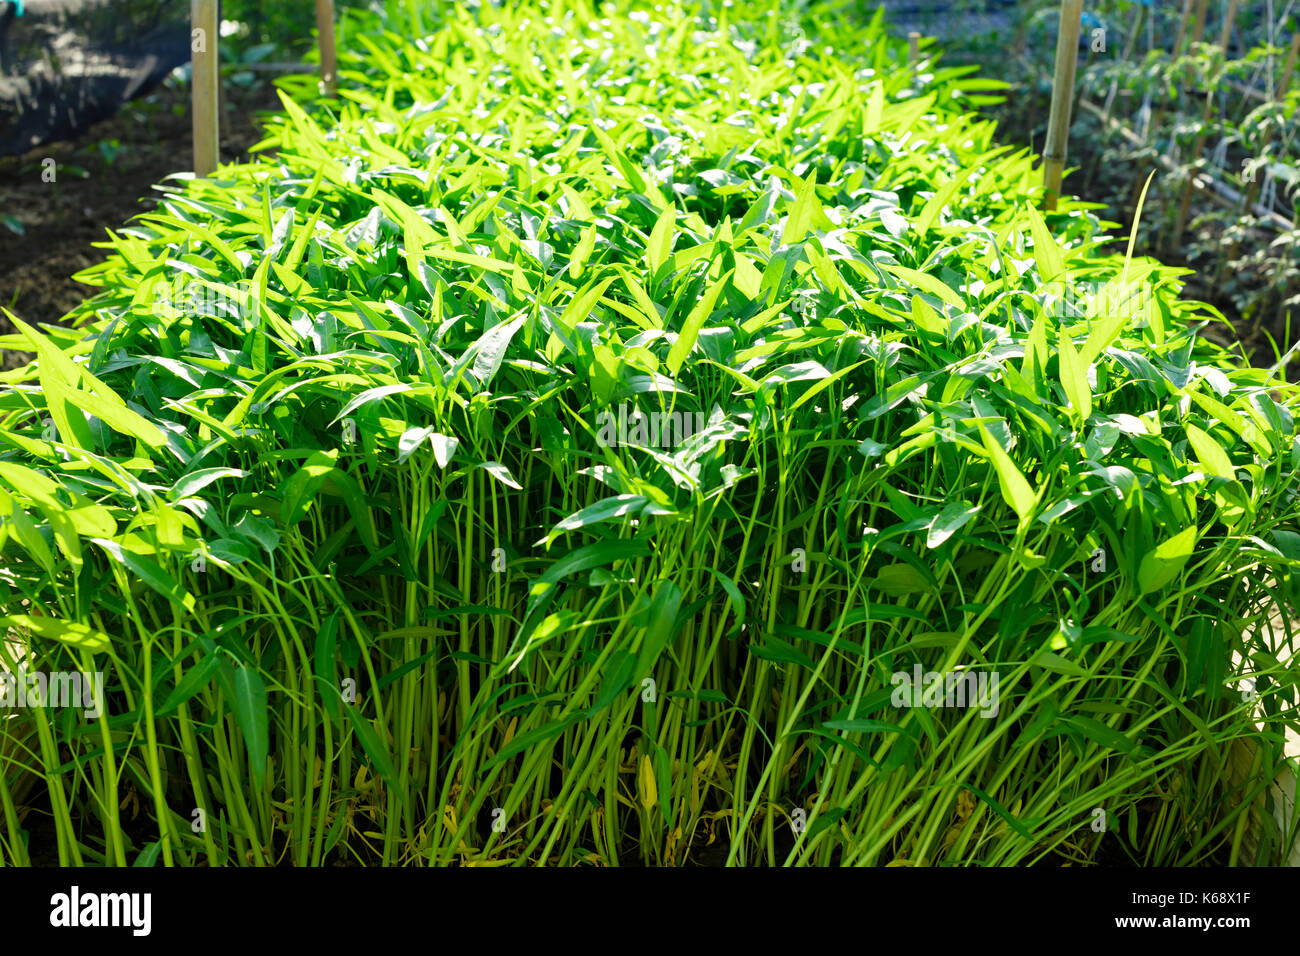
{"x": 122, "y": 158}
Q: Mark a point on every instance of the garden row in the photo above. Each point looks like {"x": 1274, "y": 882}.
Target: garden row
{"x": 598, "y": 439}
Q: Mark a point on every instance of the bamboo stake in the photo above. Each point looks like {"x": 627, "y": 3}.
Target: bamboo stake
{"x": 1058, "y": 124}
{"x": 1185, "y": 204}
{"x": 1198, "y": 30}
{"x": 1182, "y": 27}
{"x": 1289, "y": 69}
{"x": 328, "y": 51}
{"x": 205, "y": 78}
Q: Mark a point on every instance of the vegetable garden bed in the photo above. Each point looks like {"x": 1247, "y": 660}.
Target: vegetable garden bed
{"x": 348, "y": 484}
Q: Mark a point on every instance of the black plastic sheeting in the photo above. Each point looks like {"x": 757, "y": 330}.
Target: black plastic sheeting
{"x": 67, "y": 64}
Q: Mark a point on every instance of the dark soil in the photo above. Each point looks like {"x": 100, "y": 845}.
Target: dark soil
{"x": 102, "y": 180}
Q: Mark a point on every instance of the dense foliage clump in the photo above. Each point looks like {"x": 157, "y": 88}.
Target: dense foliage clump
{"x": 566, "y": 446}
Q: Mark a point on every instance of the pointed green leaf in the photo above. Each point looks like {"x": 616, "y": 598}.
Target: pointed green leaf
{"x": 1015, "y": 489}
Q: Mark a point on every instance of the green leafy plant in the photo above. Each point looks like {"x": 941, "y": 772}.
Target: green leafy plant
{"x": 326, "y": 480}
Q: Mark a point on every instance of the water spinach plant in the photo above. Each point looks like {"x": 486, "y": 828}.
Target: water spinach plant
{"x": 929, "y": 557}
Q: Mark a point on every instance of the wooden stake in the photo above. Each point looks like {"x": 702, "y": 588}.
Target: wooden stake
{"x": 1058, "y": 124}
{"x": 328, "y": 52}
{"x": 1198, "y": 29}
{"x": 205, "y": 39}
{"x": 1287, "y": 71}
{"x": 1185, "y": 205}
{"x": 913, "y": 47}
{"x": 1182, "y": 27}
